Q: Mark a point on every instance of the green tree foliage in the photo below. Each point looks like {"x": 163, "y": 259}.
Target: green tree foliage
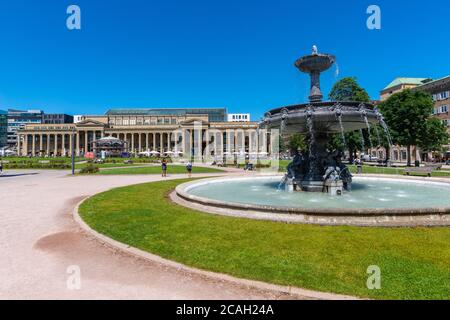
{"x": 296, "y": 142}
{"x": 434, "y": 137}
{"x": 406, "y": 113}
{"x": 348, "y": 89}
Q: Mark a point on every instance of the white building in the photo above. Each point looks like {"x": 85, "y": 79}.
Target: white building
{"x": 239, "y": 117}
{"x": 78, "y": 118}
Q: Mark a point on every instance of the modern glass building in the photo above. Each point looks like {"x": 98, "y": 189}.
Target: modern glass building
{"x": 3, "y": 128}
{"x": 214, "y": 114}
{"x": 17, "y": 119}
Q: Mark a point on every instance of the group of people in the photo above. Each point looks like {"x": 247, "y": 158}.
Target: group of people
{"x": 164, "y": 168}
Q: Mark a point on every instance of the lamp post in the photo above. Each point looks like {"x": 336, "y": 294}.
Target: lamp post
{"x": 73, "y": 151}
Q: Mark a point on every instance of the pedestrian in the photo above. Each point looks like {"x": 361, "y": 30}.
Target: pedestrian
{"x": 1, "y": 166}
{"x": 164, "y": 168}
{"x": 189, "y": 168}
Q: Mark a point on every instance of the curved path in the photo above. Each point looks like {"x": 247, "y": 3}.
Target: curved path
{"x": 39, "y": 240}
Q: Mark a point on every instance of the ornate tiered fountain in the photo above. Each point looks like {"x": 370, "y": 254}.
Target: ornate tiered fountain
{"x": 319, "y": 170}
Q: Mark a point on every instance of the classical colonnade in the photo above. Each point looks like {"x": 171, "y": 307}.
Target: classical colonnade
{"x": 183, "y": 140}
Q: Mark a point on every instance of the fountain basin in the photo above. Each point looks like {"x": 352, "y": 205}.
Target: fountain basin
{"x": 315, "y": 62}
{"x": 372, "y": 202}
{"x": 324, "y": 115}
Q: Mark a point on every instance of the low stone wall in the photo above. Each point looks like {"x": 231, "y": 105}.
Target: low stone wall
{"x": 322, "y": 216}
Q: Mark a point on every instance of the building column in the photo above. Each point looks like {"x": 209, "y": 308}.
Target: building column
{"x": 191, "y": 143}
{"x": 78, "y": 143}
{"x": 140, "y": 141}
{"x": 41, "y": 145}
{"x": 154, "y": 140}
{"x": 207, "y": 149}
{"x": 168, "y": 142}
{"x": 47, "y": 147}
{"x": 33, "y": 145}
{"x": 147, "y": 147}
{"x": 132, "y": 142}
{"x": 161, "y": 146}
{"x": 63, "y": 144}
{"x": 86, "y": 133}
{"x": 55, "y": 152}
{"x": 183, "y": 141}
{"x": 25, "y": 144}
{"x": 70, "y": 144}
{"x": 19, "y": 145}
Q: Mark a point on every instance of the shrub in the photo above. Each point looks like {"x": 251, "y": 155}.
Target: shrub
{"x": 89, "y": 169}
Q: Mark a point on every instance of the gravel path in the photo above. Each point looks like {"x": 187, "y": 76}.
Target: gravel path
{"x": 39, "y": 241}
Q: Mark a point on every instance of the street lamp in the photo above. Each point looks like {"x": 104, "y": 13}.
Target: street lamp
{"x": 73, "y": 151}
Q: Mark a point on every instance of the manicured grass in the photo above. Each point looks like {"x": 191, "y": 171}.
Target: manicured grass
{"x": 414, "y": 262}
{"x": 156, "y": 169}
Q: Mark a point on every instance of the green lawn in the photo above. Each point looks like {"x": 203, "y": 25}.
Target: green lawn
{"x": 171, "y": 169}
{"x": 414, "y": 262}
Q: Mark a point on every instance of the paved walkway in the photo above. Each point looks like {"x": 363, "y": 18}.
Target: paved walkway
{"x": 39, "y": 240}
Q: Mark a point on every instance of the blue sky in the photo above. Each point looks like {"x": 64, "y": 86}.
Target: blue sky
{"x": 237, "y": 54}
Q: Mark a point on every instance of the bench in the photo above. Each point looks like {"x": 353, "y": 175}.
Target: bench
{"x": 422, "y": 170}
{"x": 435, "y": 166}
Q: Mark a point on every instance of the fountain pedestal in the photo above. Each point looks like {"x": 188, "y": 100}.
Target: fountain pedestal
{"x": 334, "y": 188}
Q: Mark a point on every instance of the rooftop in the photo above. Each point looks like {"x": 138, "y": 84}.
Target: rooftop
{"x": 405, "y": 81}
{"x": 163, "y": 111}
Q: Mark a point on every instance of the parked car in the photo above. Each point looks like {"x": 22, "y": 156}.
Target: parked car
{"x": 369, "y": 158}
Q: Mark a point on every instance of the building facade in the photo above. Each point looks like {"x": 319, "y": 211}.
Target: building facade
{"x": 18, "y": 119}
{"x": 239, "y": 117}
{"x": 3, "y": 129}
{"x": 56, "y": 118}
{"x": 440, "y": 91}
{"x": 194, "y": 132}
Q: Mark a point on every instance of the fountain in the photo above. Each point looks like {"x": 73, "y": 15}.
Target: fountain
{"x": 325, "y": 181}
{"x": 320, "y": 170}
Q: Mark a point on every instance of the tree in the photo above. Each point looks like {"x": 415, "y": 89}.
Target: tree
{"x": 434, "y": 136}
{"x": 406, "y": 114}
{"x": 348, "y": 89}
{"x": 296, "y": 142}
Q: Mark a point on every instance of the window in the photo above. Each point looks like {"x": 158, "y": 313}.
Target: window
{"x": 440, "y": 109}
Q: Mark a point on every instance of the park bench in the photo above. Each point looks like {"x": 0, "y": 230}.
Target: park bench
{"x": 128, "y": 161}
{"x": 420, "y": 170}
{"x": 435, "y": 166}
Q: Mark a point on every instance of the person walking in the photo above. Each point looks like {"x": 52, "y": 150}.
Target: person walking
{"x": 1, "y": 166}
{"x": 164, "y": 168}
{"x": 189, "y": 169}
